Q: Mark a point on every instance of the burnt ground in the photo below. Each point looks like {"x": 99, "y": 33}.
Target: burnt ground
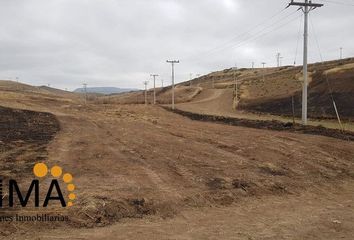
{"x": 136, "y": 163}
{"x": 125, "y": 172}
{"x": 24, "y": 136}
{"x": 340, "y": 86}
{"x": 28, "y": 126}
{"x": 151, "y": 167}
{"x": 270, "y": 125}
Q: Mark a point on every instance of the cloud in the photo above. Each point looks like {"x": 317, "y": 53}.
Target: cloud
{"x": 120, "y": 42}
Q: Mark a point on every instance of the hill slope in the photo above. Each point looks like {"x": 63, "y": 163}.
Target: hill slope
{"x": 273, "y": 94}
{"x": 262, "y": 91}
{"x": 105, "y": 90}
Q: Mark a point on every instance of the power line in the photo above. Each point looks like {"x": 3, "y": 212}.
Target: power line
{"x": 266, "y": 33}
{"x": 243, "y": 37}
{"x": 240, "y": 35}
{"x": 254, "y": 38}
{"x": 316, "y": 40}
{"x": 298, "y": 41}
{"x": 338, "y": 2}
{"x": 326, "y": 77}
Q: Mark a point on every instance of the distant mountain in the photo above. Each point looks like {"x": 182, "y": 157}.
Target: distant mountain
{"x": 105, "y": 90}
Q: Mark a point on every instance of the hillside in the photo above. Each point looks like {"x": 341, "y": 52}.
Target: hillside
{"x": 104, "y": 90}
{"x": 263, "y": 91}
{"x": 24, "y": 95}
{"x": 333, "y": 79}
{"x": 274, "y": 94}
{"x": 148, "y": 167}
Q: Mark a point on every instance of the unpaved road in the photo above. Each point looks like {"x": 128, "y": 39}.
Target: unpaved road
{"x": 195, "y": 180}
{"x": 219, "y": 102}
{"x": 311, "y": 215}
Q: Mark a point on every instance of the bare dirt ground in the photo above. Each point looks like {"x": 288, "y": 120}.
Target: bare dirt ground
{"x": 276, "y": 96}
{"x": 146, "y": 173}
{"x": 218, "y": 102}
{"x": 315, "y": 214}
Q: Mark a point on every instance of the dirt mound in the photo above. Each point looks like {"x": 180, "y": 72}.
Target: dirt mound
{"x": 98, "y": 211}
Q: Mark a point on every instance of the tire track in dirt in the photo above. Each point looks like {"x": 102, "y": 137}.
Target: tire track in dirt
{"x": 77, "y": 130}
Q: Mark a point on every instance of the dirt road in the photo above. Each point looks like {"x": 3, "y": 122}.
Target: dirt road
{"x": 312, "y": 215}
{"x": 219, "y": 102}
{"x": 144, "y": 172}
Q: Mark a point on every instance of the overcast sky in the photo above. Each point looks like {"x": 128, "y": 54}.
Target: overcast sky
{"x": 121, "y": 42}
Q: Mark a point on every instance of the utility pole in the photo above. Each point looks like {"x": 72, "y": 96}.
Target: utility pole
{"x": 145, "y": 93}
{"x": 173, "y": 62}
{"x": 85, "y": 91}
{"x": 154, "y": 76}
{"x": 263, "y": 63}
{"x": 306, "y": 7}
{"x": 198, "y": 80}
{"x": 252, "y": 65}
{"x": 162, "y": 83}
{"x": 235, "y": 83}
{"x": 278, "y": 59}
{"x": 341, "y": 53}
